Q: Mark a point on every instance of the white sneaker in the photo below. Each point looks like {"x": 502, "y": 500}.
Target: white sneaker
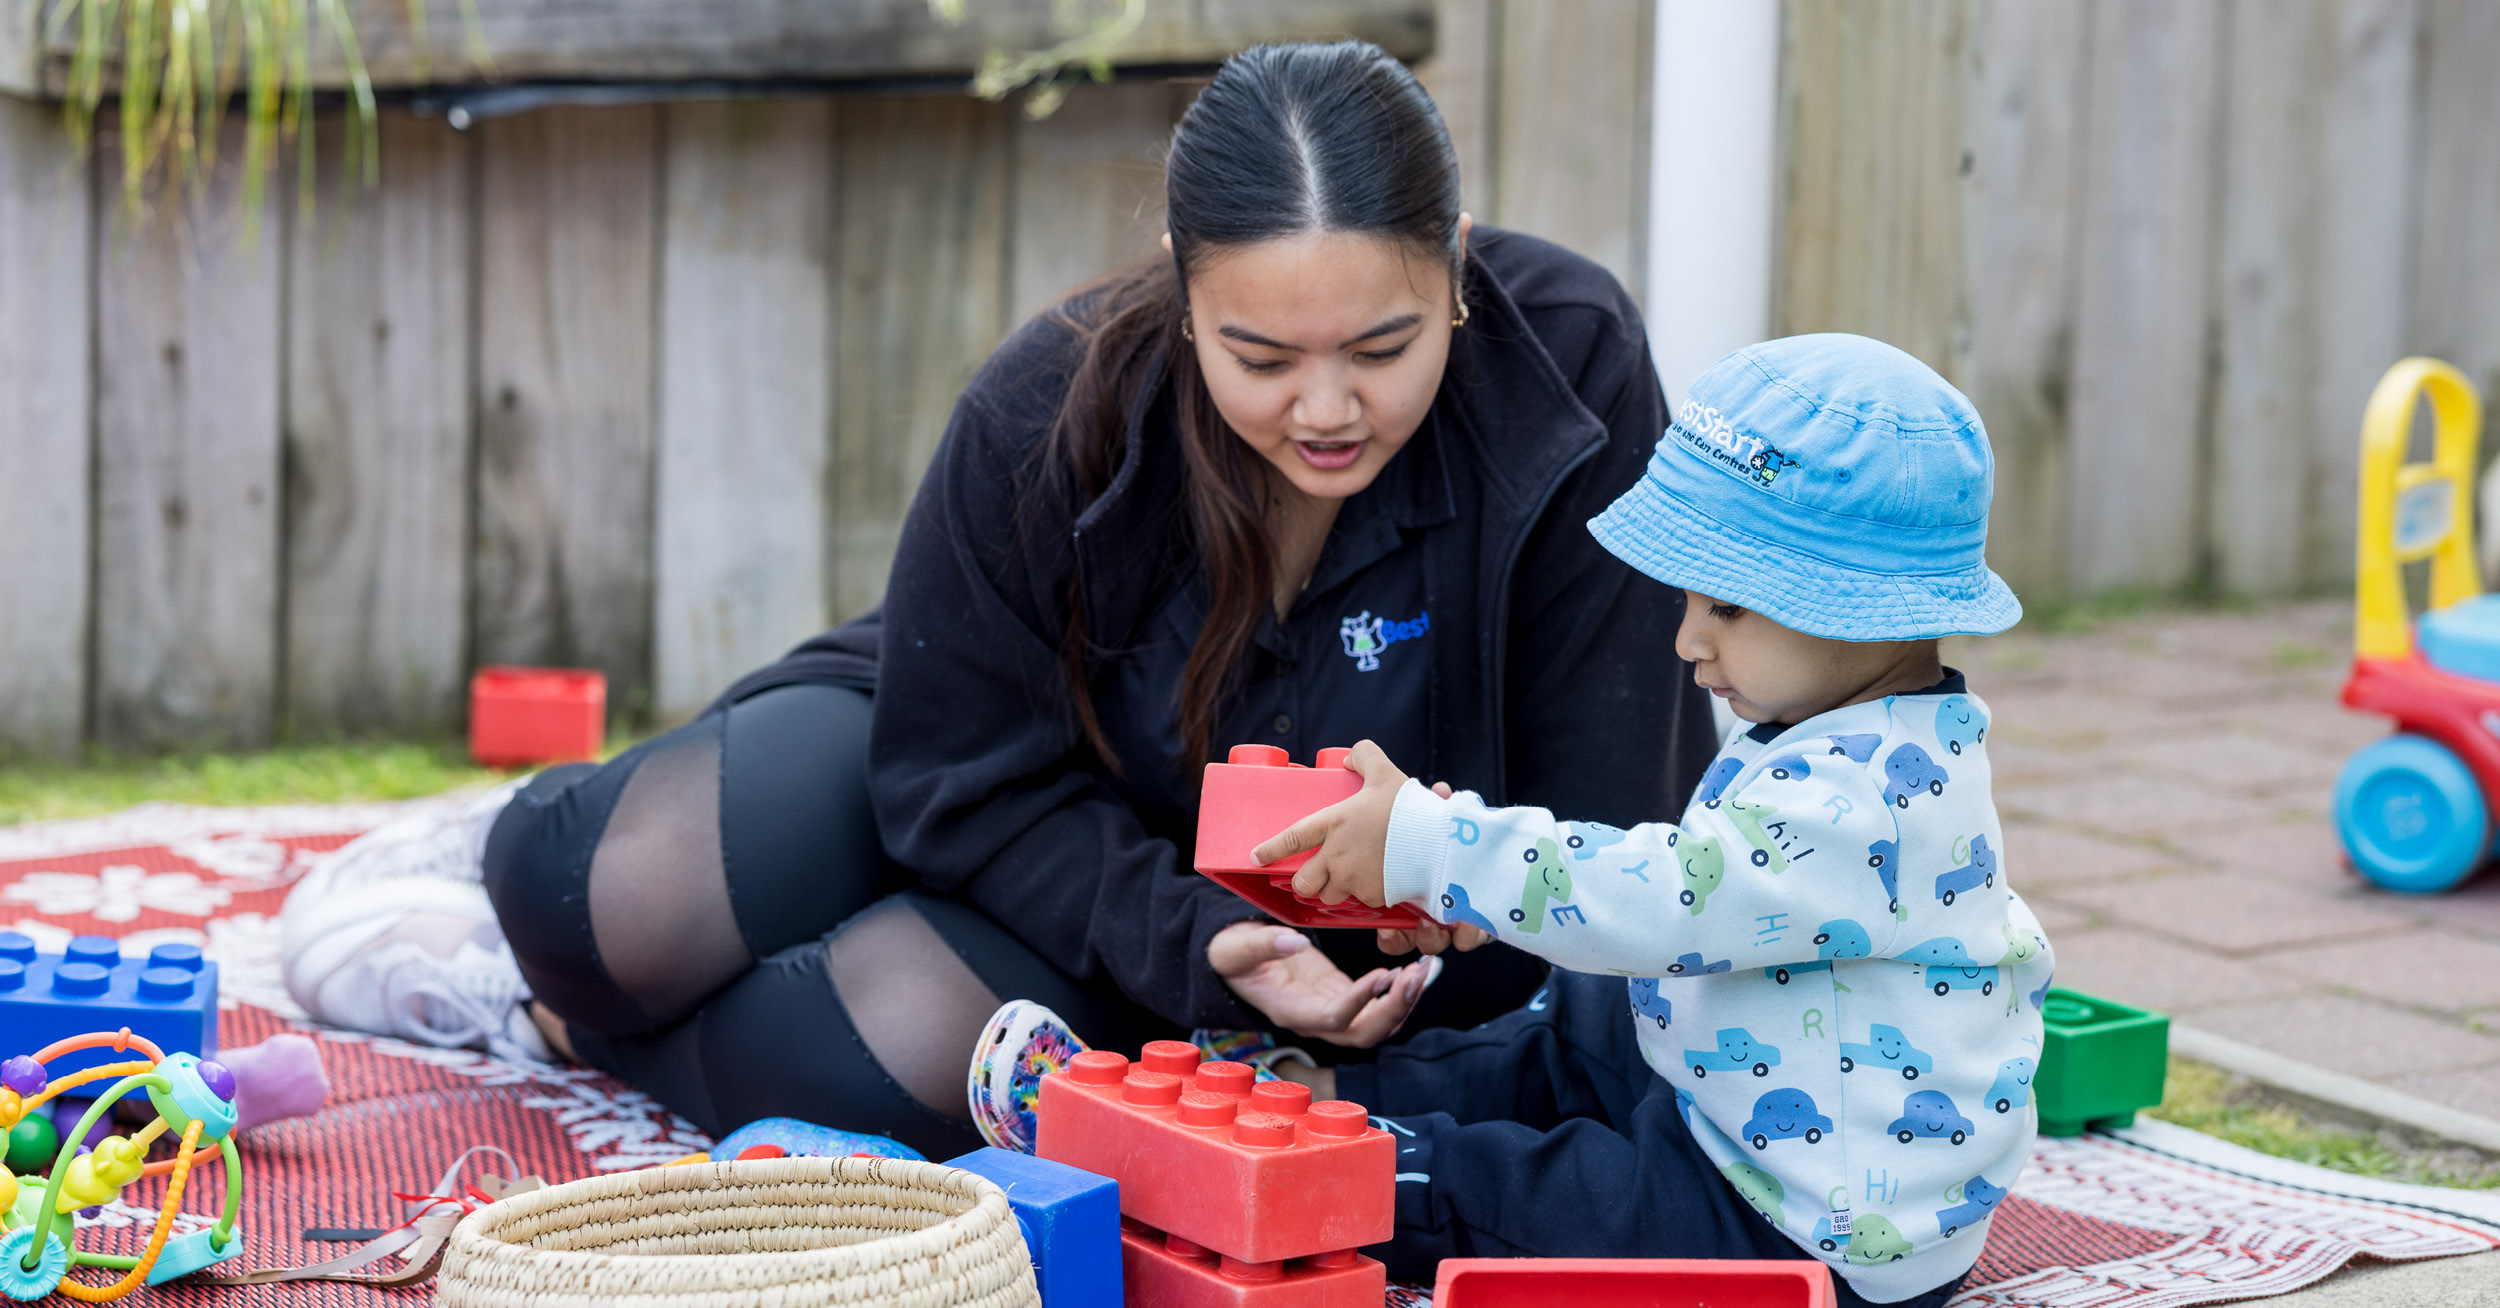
{"x": 392, "y": 934}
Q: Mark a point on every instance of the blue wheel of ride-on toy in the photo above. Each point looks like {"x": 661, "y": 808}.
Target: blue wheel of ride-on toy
{"x": 2411, "y": 814}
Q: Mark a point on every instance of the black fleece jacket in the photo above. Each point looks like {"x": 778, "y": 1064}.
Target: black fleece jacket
{"x": 1554, "y": 681}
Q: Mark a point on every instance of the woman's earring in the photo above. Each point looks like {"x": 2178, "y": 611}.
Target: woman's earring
{"x": 1461, "y": 319}
{"x": 1186, "y": 333}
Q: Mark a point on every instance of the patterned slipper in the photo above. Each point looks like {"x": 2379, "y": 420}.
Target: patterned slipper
{"x": 1020, "y": 1044}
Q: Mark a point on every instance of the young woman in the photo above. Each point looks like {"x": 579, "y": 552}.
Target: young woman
{"x": 1316, "y": 474}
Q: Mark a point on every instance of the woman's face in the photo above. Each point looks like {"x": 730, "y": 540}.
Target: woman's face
{"x": 1323, "y": 351}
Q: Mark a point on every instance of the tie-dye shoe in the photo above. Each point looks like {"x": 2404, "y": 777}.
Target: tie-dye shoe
{"x": 1020, "y": 1044}
{"x": 1257, "y": 1048}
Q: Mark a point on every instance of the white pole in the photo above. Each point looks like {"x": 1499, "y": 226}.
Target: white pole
{"x": 1714, "y": 156}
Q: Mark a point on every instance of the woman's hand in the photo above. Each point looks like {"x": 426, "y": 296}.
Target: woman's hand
{"x": 1278, "y": 971}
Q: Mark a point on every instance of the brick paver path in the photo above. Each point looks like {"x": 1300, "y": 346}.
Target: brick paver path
{"x": 2164, "y": 783}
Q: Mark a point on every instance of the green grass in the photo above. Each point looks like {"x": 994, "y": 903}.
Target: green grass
{"x": 316, "y": 774}
{"x": 2208, "y": 1099}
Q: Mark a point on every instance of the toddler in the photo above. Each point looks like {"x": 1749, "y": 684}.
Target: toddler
{"x": 1834, "y": 989}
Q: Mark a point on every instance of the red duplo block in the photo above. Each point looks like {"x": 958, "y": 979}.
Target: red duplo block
{"x": 1632, "y": 1283}
{"x": 1258, "y": 1173}
{"x": 521, "y": 716}
{"x": 1256, "y": 792}
{"x": 1158, "y": 1273}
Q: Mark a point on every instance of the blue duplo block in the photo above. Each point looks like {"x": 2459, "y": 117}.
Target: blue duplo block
{"x": 169, "y": 997}
{"x": 1071, "y": 1220}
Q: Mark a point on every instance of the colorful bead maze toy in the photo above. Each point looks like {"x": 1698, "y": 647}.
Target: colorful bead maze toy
{"x": 194, "y": 1102}
{"x": 1231, "y": 1193}
{"x": 1256, "y": 792}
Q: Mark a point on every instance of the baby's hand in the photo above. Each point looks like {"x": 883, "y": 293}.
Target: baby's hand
{"x": 1351, "y": 835}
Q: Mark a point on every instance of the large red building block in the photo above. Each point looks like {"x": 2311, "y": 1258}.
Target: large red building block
{"x": 1259, "y": 1173}
{"x": 1256, "y": 792}
{"x": 1632, "y": 1283}
{"x": 1159, "y": 1272}
{"x": 524, "y": 716}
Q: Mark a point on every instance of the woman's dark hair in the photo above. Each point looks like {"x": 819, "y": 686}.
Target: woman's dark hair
{"x": 1288, "y": 139}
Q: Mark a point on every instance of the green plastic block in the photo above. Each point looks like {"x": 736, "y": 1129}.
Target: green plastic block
{"x": 2100, "y": 1062}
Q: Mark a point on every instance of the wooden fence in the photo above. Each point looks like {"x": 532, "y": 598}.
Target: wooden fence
{"x": 2167, "y": 246}
{"x": 641, "y": 388}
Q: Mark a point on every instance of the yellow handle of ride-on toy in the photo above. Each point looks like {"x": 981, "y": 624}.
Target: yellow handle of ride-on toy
{"x": 2412, "y": 511}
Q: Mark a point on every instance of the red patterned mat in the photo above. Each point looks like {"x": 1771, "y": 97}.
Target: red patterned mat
{"x": 2152, "y": 1218}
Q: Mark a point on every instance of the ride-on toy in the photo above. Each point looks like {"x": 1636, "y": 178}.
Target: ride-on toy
{"x": 2413, "y": 809}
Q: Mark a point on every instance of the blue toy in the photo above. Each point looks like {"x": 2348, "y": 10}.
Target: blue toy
{"x": 1737, "y": 1051}
{"x": 1931, "y": 1114}
{"x": 169, "y": 999}
{"x": 1071, "y": 1221}
{"x": 1886, "y": 1049}
{"x": 789, "y": 1137}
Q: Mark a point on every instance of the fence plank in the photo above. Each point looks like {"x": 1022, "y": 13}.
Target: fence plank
{"x": 1460, "y": 76}
{"x": 1571, "y": 147}
{"x": 1871, "y": 227}
{"x": 923, "y": 252}
{"x": 1088, "y": 189}
{"x": 745, "y": 398}
{"x": 46, "y": 253}
{"x": 187, "y": 469}
{"x": 2144, "y": 246}
{"x": 2021, "y": 84}
{"x": 377, "y": 383}
{"x": 2317, "y": 152}
{"x": 568, "y": 209}
{"x": 2456, "y": 311}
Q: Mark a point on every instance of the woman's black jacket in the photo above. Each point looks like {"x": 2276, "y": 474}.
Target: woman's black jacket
{"x": 1569, "y": 696}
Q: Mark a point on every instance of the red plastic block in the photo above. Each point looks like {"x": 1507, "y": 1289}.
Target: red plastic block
{"x": 1253, "y": 794}
{"x": 1260, "y": 1173}
{"x": 520, "y": 716}
{"x": 1158, "y": 1272}
{"x": 1632, "y": 1283}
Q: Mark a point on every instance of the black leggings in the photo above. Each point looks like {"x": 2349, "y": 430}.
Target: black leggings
{"x": 714, "y": 919}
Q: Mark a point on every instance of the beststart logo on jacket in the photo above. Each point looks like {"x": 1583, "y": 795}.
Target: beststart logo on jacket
{"x": 1365, "y": 636}
{"x": 1753, "y": 458}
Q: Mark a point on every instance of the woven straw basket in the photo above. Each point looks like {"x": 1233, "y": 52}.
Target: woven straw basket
{"x": 775, "y": 1233}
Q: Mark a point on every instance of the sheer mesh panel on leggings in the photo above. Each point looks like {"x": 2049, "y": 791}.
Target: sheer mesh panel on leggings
{"x": 659, "y": 899}
{"x": 915, "y": 1004}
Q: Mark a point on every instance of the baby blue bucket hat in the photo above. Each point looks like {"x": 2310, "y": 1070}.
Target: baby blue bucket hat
{"x": 1831, "y": 483}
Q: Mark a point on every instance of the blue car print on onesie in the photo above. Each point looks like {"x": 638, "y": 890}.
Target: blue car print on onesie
{"x": 1647, "y": 1002}
{"x": 1907, "y": 771}
{"x": 1960, "y": 724}
{"x": 1584, "y": 839}
{"x": 2012, "y": 1089}
{"x": 1949, "y": 966}
{"x": 1857, "y": 747}
{"x": 1979, "y": 1198}
{"x": 1836, "y": 939}
{"x": 1692, "y": 965}
{"x": 2041, "y": 995}
{"x": 1784, "y": 1115}
{"x": 1930, "y": 1115}
{"x": 1792, "y": 767}
{"x": 1738, "y": 1051}
{"x": 1455, "y": 909}
{"x": 1886, "y": 1049}
{"x": 1885, "y": 857}
{"x": 1714, "y": 782}
{"x": 1981, "y": 870}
